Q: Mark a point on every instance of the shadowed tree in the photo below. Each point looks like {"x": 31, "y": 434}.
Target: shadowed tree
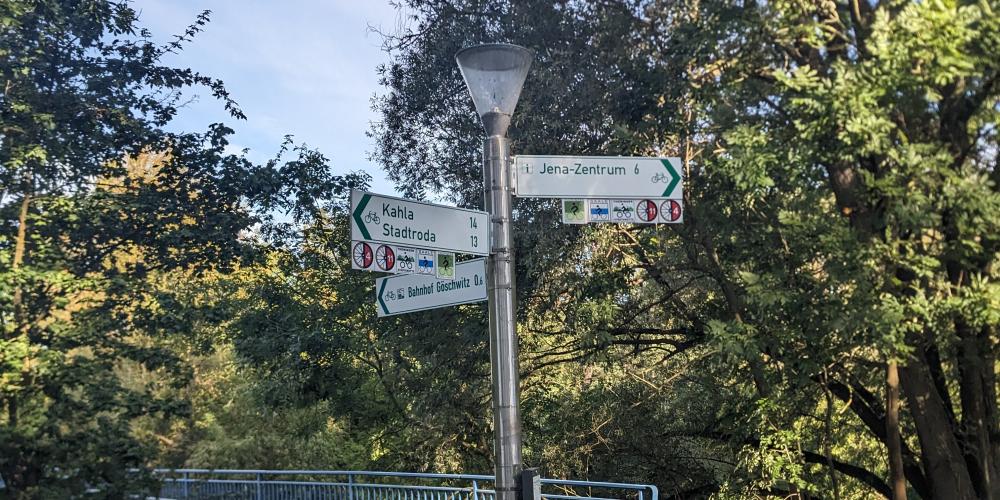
{"x": 830, "y": 296}
{"x": 85, "y": 233}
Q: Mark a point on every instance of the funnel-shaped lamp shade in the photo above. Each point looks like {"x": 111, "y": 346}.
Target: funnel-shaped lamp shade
{"x": 494, "y": 74}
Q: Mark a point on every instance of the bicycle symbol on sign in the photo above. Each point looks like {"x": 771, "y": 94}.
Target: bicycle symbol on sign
{"x": 405, "y": 263}
{"x": 372, "y": 217}
{"x": 660, "y": 177}
{"x": 623, "y": 212}
{"x": 385, "y": 257}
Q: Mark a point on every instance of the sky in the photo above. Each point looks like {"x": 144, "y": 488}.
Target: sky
{"x": 305, "y": 68}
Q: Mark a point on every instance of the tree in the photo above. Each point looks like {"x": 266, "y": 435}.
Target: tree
{"x": 307, "y": 331}
{"x": 841, "y": 225}
{"x": 98, "y": 203}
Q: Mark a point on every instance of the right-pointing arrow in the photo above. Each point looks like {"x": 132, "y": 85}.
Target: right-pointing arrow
{"x": 675, "y": 178}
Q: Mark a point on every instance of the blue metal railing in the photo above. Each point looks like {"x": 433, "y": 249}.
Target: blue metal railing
{"x": 199, "y": 484}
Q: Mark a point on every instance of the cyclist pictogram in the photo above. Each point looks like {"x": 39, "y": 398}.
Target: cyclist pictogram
{"x": 405, "y": 263}
{"x": 446, "y": 265}
{"x": 646, "y": 210}
{"x": 670, "y": 210}
{"x": 372, "y": 217}
{"x": 574, "y": 212}
{"x": 385, "y": 257}
{"x": 425, "y": 262}
{"x": 363, "y": 255}
{"x": 598, "y": 210}
{"x": 623, "y": 211}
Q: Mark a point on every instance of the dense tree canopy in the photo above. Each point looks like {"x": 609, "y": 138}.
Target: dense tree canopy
{"x": 824, "y": 324}
{"x": 98, "y": 206}
{"x": 842, "y": 212}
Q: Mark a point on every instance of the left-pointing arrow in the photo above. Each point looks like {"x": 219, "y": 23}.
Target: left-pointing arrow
{"x": 381, "y": 301}
{"x": 357, "y": 216}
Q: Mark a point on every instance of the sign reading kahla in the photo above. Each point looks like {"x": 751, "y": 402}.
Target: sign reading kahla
{"x": 598, "y": 177}
{"x": 386, "y": 219}
{"x": 415, "y": 292}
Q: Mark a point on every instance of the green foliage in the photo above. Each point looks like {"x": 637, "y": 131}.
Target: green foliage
{"x": 233, "y": 427}
{"x": 412, "y": 393}
{"x": 98, "y": 204}
{"x": 841, "y": 212}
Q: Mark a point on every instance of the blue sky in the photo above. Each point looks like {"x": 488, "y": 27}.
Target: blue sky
{"x": 306, "y": 68}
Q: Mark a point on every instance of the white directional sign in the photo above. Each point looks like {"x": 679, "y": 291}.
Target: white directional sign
{"x": 575, "y": 177}
{"x": 417, "y": 292}
{"x": 416, "y": 224}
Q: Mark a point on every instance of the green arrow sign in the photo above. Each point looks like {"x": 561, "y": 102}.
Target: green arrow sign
{"x": 406, "y": 293}
{"x": 383, "y": 309}
{"x": 598, "y": 177}
{"x": 675, "y": 178}
{"x": 386, "y": 219}
{"x": 360, "y": 209}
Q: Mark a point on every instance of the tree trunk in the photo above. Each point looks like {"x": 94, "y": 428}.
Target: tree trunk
{"x": 18, "y": 301}
{"x": 896, "y": 479}
{"x": 992, "y": 413}
{"x": 975, "y": 425}
{"x": 19, "y": 248}
{"x": 943, "y": 461}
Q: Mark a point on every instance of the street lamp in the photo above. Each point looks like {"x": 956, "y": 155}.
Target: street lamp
{"x": 494, "y": 74}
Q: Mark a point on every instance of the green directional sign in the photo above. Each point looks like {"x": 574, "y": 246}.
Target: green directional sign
{"x": 417, "y": 292}
{"x": 386, "y": 219}
{"x": 629, "y": 177}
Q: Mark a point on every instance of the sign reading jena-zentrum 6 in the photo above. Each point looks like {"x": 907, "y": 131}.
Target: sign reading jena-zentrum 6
{"x": 598, "y": 177}
{"x": 385, "y": 219}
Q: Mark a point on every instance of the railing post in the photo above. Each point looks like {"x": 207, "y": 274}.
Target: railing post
{"x": 475, "y": 490}
{"x": 350, "y": 486}
{"x": 259, "y": 493}
{"x": 531, "y": 485}
{"x": 184, "y": 480}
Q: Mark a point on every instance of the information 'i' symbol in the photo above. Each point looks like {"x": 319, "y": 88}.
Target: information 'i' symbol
{"x": 646, "y": 210}
{"x": 363, "y": 255}
{"x": 385, "y": 258}
{"x": 670, "y": 210}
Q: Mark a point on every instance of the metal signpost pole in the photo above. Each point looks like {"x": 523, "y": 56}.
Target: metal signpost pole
{"x": 502, "y": 308}
{"x": 494, "y": 75}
